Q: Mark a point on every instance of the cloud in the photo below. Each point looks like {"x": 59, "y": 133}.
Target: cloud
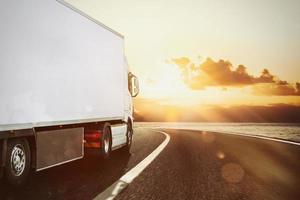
{"x": 223, "y": 74}
{"x": 280, "y": 88}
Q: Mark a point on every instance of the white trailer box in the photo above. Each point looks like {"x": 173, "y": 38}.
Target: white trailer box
{"x": 64, "y": 85}
{"x": 67, "y": 69}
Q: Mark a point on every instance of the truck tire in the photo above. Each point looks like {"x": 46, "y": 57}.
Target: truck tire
{"x": 105, "y": 141}
{"x": 129, "y": 135}
{"x": 17, "y": 164}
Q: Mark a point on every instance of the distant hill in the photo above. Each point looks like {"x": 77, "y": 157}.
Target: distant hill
{"x": 152, "y": 111}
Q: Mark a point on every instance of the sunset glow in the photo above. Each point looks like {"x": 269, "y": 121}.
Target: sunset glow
{"x": 209, "y": 58}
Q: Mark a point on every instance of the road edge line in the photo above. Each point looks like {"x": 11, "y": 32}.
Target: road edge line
{"x": 260, "y": 137}
{"x": 117, "y": 187}
{"x": 239, "y": 134}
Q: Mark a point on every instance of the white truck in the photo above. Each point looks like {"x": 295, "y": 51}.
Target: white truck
{"x": 64, "y": 85}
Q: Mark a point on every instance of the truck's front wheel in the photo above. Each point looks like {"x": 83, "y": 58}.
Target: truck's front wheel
{"x": 129, "y": 135}
{"x": 17, "y": 165}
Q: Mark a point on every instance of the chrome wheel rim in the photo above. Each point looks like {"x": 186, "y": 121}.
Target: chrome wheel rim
{"x": 18, "y": 160}
{"x": 106, "y": 144}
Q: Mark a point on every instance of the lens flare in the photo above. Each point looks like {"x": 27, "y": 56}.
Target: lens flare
{"x": 232, "y": 173}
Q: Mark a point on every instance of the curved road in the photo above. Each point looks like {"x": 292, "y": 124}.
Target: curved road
{"x": 194, "y": 165}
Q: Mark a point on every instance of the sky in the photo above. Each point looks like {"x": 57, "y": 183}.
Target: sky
{"x": 257, "y": 34}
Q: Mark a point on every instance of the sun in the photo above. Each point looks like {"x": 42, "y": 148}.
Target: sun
{"x": 166, "y": 83}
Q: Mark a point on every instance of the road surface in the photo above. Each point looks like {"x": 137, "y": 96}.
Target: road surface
{"x": 194, "y": 165}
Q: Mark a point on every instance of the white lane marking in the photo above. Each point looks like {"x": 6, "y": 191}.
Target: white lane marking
{"x": 261, "y": 137}
{"x": 232, "y": 133}
{"x": 112, "y": 191}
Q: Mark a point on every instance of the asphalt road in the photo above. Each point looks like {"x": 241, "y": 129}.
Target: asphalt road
{"x": 194, "y": 165}
{"x": 201, "y": 165}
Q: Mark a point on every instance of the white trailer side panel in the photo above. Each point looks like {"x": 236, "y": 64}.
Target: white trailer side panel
{"x": 56, "y": 65}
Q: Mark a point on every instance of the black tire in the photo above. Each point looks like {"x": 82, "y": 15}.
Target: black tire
{"x": 105, "y": 141}
{"x": 129, "y": 136}
{"x": 18, "y": 161}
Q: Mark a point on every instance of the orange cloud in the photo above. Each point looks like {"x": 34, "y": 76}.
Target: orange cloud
{"x": 280, "y": 88}
{"x": 222, "y": 74}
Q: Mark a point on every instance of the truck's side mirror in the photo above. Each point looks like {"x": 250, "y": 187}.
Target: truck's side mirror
{"x": 133, "y": 85}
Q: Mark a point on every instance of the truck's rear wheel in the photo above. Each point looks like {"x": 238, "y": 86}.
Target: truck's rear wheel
{"x": 17, "y": 165}
{"x": 106, "y": 141}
